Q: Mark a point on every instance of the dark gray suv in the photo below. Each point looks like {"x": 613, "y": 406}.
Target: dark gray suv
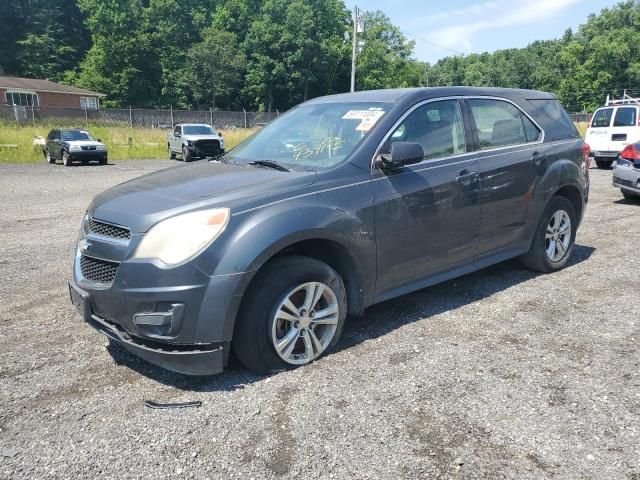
{"x": 343, "y": 202}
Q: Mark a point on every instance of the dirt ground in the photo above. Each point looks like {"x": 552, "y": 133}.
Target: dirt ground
{"x": 499, "y": 374}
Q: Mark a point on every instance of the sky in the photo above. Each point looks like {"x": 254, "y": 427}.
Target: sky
{"x": 454, "y": 27}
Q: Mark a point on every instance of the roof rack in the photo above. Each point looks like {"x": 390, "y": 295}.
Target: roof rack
{"x": 625, "y": 100}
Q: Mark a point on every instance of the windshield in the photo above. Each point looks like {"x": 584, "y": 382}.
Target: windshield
{"x": 197, "y": 130}
{"x": 77, "y": 135}
{"x": 315, "y": 137}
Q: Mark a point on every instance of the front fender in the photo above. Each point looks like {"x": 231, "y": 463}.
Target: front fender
{"x": 253, "y": 237}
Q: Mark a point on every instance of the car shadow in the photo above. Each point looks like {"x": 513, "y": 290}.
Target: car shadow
{"x": 627, "y": 201}
{"x": 377, "y": 321}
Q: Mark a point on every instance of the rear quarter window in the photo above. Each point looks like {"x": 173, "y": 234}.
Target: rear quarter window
{"x": 602, "y": 118}
{"x": 552, "y": 109}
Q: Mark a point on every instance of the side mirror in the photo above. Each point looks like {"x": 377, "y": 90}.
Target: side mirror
{"x": 402, "y": 153}
{"x": 177, "y": 135}
{"x": 99, "y": 140}
{"x": 56, "y": 140}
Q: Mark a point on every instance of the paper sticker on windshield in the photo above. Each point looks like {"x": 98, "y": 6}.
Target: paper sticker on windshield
{"x": 368, "y": 118}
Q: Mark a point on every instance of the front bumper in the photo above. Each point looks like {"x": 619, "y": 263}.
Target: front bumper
{"x": 626, "y": 176}
{"x": 185, "y": 359}
{"x": 87, "y": 154}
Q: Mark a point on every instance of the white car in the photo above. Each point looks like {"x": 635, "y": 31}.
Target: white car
{"x": 194, "y": 140}
{"x": 613, "y": 128}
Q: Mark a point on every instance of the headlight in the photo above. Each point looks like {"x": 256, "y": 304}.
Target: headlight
{"x": 101, "y": 148}
{"x": 182, "y": 237}
{"x": 189, "y": 143}
{"x": 74, "y": 148}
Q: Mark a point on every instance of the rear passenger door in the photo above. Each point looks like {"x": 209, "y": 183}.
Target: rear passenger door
{"x": 427, "y": 215}
{"x": 507, "y": 141}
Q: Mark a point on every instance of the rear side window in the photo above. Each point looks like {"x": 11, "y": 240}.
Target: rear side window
{"x": 602, "y": 118}
{"x": 626, "y": 117}
{"x": 552, "y": 109}
{"x": 501, "y": 124}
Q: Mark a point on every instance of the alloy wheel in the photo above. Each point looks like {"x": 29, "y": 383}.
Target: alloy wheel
{"x": 558, "y": 236}
{"x": 305, "y": 323}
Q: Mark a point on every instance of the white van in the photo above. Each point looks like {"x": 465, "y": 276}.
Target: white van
{"x": 612, "y": 128}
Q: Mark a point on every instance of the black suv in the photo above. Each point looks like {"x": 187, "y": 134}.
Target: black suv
{"x": 69, "y": 144}
{"x": 342, "y": 202}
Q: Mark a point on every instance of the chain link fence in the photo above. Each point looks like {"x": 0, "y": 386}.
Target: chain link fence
{"x": 132, "y": 117}
{"x": 581, "y": 117}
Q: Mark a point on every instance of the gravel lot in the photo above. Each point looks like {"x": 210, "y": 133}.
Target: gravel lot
{"x": 499, "y": 374}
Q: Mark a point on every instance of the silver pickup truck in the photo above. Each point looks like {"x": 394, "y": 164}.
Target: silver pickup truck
{"x": 194, "y": 140}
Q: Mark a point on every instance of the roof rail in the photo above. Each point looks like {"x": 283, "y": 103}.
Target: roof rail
{"x": 625, "y": 100}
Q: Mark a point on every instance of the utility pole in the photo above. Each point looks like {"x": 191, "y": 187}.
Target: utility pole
{"x": 354, "y": 51}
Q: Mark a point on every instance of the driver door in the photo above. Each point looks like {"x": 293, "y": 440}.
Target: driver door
{"x": 427, "y": 215}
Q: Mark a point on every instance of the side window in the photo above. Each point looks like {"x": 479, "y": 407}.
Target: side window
{"x": 501, "y": 124}
{"x": 56, "y": 135}
{"x": 625, "y": 117}
{"x": 437, "y": 126}
{"x": 176, "y": 131}
{"x": 602, "y": 118}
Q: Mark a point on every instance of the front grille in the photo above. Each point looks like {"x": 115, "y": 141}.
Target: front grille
{"x": 108, "y": 230}
{"x": 98, "y": 270}
{"x": 210, "y": 147}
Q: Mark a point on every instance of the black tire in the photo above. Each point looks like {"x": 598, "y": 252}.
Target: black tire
{"x": 66, "y": 159}
{"x": 103, "y": 161}
{"x": 536, "y": 258}
{"x": 630, "y": 195}
{"x": 48, "y": 157}
{"x": 604, "y": 164}
{"x": 172, "y": 155}
{"x": 252, "y": 341}
{"x": 186, "y": 156}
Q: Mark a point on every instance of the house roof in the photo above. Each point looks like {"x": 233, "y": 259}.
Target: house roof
{"x": 43, "y": 86}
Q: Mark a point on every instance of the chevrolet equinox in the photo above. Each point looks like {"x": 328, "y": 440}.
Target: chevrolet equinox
{"x": 343, "y": 202}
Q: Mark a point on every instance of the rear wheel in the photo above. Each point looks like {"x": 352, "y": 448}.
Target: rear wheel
{"x": 292, "y": 315}
{"x": 66, "y": 159}
{"x": 554, "y": 238}
{"x": 630, "y": 195}
{"x": 604, "y": 164}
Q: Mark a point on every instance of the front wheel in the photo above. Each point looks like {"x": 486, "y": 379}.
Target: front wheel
{"x": 554, "y": 238}
{"x": 293, "y": 314}
{"x": 48, "y": 156}
{"x": 66, "y": 159}
{"x": 186, "y": 156}
{"x": 172, "y": 155}
{"x": 604, "y": 164}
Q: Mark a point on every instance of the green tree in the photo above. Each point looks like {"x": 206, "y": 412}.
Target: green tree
{"x": 214, "y": 68}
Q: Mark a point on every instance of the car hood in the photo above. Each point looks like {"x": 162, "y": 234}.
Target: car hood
{"x": 142, "y": 202}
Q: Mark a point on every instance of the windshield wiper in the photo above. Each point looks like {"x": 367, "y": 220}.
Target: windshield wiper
{"x": 270, "y": 164}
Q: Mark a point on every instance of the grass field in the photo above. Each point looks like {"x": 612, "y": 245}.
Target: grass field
{"x": 16, "y": 142}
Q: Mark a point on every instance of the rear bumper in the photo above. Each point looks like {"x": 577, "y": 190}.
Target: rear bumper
{"x": 185, "y": 359}
{"x": 626, "y": 177}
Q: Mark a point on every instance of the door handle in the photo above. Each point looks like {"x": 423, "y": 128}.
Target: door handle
{"x": 466, "y": 178}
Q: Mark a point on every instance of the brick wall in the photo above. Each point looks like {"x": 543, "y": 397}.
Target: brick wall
{"x": 58, "y": 100}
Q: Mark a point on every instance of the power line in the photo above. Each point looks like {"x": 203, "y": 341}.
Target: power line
{"x": 434, "y": 44}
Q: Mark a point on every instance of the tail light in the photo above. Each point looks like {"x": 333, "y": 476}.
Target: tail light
{"x": 586, "y": 156}
{"x": 630, "y": 153}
